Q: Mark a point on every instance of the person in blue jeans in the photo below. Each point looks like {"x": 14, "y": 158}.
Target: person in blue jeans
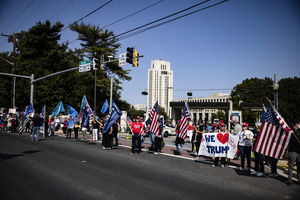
{"x": 152, "y": 141}
{"x": 35, "y": 124}
{"x": 245, "y": 141}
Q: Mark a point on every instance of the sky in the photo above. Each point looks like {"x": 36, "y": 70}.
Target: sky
{"x": 209, "y": 51}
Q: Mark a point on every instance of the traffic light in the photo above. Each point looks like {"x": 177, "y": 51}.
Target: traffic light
{"x": 97, "y": 62}
{"x": 129, "y": 55}
{"x": 135, "y": 59}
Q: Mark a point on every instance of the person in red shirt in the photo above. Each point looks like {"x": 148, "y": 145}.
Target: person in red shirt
{"x": 136, "y": 129}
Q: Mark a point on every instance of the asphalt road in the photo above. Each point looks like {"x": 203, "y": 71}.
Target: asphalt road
{"x": 70, "y": 169}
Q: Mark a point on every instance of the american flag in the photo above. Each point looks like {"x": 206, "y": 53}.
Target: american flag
{"x": 274, "y": 135}
{"x": 184, "y": 117}
{"x": 188, "y": 114}
{"x": 154, "y": 126}
{"x": 129, "y": 121}
{"x": 80, "y": 115}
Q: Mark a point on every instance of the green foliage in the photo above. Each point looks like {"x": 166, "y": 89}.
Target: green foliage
{"x": 162, "y": 111}
{"x": 252, "y": 90}
{"x": 38, "y": 52}
{"x": 220, "y": 115}
{"x": 6, "y": 81}
{"x": 256, "y": 90}
{"x": 133, "y": 113}
{"x": 95, "y": 41}
{"x": 289, "y": 98}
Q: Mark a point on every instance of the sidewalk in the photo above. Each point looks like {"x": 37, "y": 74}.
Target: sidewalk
{"x": 171, "y": 150}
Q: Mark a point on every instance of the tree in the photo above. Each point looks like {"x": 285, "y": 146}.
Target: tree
{"x": 133, "y": 113}
{"x": 219, "y": 115}
{"x": 96, "y": 41}
{"x": 6, "y": 81}
{"x": 162, "y": 112}
{"x": 39, "y": 53}
{"x": 252, "y": 90}
{"x": 289, "y": 98}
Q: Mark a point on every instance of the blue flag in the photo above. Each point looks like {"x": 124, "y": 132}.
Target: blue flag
{"x": 83, "y": 102}
{"x": 59, "y": 108}
{"x": 72, "y": 111}
{"x": 42, "y": 112}
{"x": 104, "y": 107}
{"x": 263, "y": 115}
{"x": 113, "y": 115}
{"x": 71, "y": 123}
{"x": 28, "y": 110}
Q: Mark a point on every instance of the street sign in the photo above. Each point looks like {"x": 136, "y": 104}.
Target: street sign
{"x": 122, "y": 59}
{"x": 85, "y": 66}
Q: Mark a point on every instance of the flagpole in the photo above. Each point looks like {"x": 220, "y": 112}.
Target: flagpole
{"x": 286, "y": 124}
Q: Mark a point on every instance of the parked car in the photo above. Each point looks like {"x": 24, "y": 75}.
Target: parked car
{"x": 169, "y": 130}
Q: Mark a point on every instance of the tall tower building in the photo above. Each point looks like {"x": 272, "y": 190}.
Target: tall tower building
{"x": 160, "y": 85}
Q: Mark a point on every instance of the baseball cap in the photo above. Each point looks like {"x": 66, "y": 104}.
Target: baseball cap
{"x": 138, "y": 117}
{"x": 222, "y": 124}
{"x": 245, "y": 124}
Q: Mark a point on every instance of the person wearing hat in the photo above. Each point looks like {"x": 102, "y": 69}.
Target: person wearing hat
{"x": 245, "y": 141}
{"x": 259, "y": 168}
{"x": 216, "y": 161}
{"x": 294, "y": 153}
{"x": 136, "y": 129}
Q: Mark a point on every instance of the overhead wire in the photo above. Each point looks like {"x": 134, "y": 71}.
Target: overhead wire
{"x": 125, "y": 17}
{"x": 162, "y": 23}
{"x": 88, "y": 14}
{"x": 61, "y": 9}
{"x": 31, "y": 14}
{"x": 137, "y": 32}
{"x": 18, "y": 16}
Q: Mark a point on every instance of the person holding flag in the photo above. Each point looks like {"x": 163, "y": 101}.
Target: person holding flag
{"x": 294, "y": 153}
{"x": 136, "y": 129}
{"x": 35, "y": 124}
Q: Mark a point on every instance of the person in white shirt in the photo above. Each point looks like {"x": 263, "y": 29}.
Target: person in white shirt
{"x": 245, "y": 141}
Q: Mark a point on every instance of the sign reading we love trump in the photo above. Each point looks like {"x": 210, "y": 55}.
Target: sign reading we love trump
{"x": 219, "y": 145}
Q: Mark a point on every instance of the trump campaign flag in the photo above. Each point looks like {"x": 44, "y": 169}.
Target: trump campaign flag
{"x": 219, "y": 145}
{"x": 274, "y": 135}
{"x": 113, "y": 115}
{"x": 154, "y": 126}
{"x": 184, "y": 117}
{"x": 59, "y": 108}
{"x": 28, "y": 110}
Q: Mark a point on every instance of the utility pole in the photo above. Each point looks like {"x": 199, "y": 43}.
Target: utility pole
{"x": 275, "y": 87}
{"x": 14, "y": 78}
{"x": 12, "y": 100}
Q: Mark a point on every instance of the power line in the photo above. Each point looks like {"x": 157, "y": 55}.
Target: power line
{"x": 88, "y": 14}
{"x": 162, "y": 23}
{"x": 161, "y": 18}
{"x": 137, "y": 32}
{"x": 31, "y": 14}
{"x": 133, "y": 14}
{"x": 18, "y": 16}
{"x": 125, "y": 17}
{"x": 62, "y": 9}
